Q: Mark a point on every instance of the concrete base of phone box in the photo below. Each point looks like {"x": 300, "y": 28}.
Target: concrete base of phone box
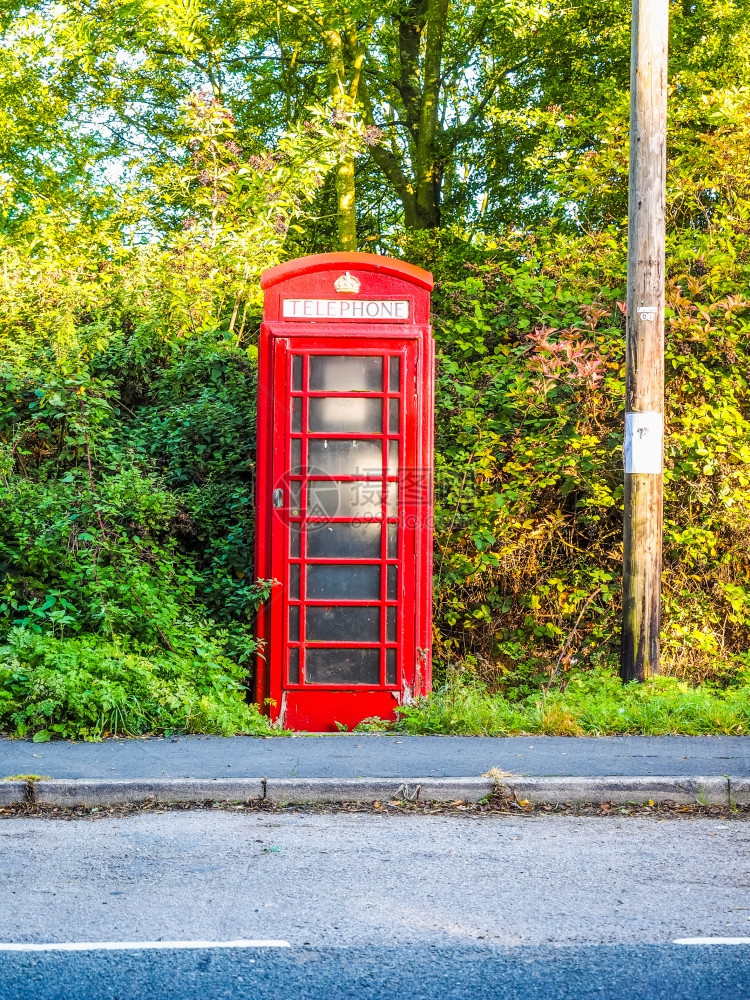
{"x": 320, "y": 711}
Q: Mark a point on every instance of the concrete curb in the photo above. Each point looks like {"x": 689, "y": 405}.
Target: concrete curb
{"x": 707, "y": 791}
{"x": 712, "y": 791}
{"x": 12, "y": 792}
{"x": 91, "y": 792}
{"x": 288, "y": 790}
{"x": 739, "y": 791}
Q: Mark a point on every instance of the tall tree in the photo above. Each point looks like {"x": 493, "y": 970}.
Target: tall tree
{"x": 480, "y": 115}
{"x": 430, "y": 75}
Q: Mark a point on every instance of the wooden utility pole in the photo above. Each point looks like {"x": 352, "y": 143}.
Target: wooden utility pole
{"x": 644, "y": 402}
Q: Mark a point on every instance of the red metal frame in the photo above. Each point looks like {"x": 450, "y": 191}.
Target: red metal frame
{"x": 282, "y": 687}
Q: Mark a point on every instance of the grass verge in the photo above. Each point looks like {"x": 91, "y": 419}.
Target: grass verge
{"x": 86, "y": 688}
{"x": 592, "y": 704}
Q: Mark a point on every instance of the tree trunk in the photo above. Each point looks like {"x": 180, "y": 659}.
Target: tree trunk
{"x": 429, "y": 170}
{"x": 346, "y": 204}
{"x": 421, "y": 37}
{"x": 344, "y": 97}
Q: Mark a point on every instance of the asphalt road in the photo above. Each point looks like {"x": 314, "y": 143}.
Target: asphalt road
{"x": 377, "y": 906}
{"x": 365, "y": 755}
{"x": 647, "y": 972}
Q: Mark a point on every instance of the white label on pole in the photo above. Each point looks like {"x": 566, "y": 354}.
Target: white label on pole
{"x": 372, "y": 309}
{"x": 644, "y": 442}
{"x": 646, "y": 314}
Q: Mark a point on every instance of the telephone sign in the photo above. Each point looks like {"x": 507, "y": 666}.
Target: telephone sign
{"x": 344, "y": 489}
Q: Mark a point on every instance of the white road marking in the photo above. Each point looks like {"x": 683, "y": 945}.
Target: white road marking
{"x": 713, "y": 940}
{"x": 136, "y": 945}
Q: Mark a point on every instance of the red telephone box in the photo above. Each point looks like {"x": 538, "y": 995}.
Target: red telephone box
{"x": 344, "y": 489}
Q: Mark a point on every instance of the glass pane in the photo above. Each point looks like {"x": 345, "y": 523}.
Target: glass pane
{"x": 294, "y": 541}
{"x": 297, "y": 373}
{"x": 392, "y": 505}
{"x": 296, "y": 464}
{"x": 337, "y": 624}
{"x": 394, "y": 383}
{"x": 393, "y": 541}
{"x": 294, "y": 583}
{"x": 339, "y": 414}
{"x": 392, "y": 583}
{"x": 360, "y": 500}
{"x": 346, "y": 374}
{"x": 294, "y": 498}
{"x": 393, "y": 412}
{"x": 342, "y": 666}
{"x": 393, "y": 458}
{"x": 390, "y": 666}
{"x": 297, "y": 414}
{"x": 294, "y": 666}
{"x": 294, "y": 623}
{"x": 343, "y": 541}
{"x": 353, "y": 583}
{"x": 345, "y": 458}
{"x": 391, "y": 623}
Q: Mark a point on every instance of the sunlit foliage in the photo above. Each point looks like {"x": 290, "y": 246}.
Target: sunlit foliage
{"x": 158, "y": 155}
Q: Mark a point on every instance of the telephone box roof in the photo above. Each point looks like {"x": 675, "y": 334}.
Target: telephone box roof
{"x": 360, "y": 261}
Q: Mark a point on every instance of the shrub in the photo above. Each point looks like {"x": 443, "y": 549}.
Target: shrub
{"x": 86, "y": 688}
{"x": 529, "y": 496}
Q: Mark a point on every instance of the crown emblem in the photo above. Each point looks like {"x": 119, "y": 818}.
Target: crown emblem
{"x": 347, "y": 283}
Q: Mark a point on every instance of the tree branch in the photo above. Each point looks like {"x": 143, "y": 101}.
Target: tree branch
{"x": 452, "y": 136}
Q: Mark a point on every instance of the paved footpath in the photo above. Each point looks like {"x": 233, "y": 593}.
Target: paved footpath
{"x": 378, "y": 756}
